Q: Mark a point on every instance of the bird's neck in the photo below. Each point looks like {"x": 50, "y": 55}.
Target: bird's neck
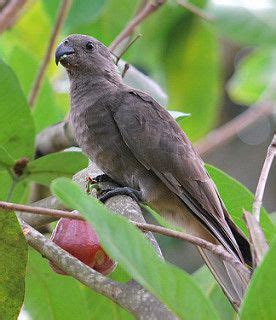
{"x": 86, "y": 89}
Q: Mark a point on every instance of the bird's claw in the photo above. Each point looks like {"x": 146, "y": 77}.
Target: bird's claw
{"x": 103, "y": 178}
{"x": 134, "y": 194}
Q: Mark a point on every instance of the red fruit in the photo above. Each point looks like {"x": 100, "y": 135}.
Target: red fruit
{"x": 81, "y": 241}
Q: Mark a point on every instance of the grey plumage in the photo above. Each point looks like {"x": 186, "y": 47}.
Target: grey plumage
{"x": 138, "y": 144}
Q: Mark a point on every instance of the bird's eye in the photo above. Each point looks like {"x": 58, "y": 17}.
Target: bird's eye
{"x": 89, "y": 46}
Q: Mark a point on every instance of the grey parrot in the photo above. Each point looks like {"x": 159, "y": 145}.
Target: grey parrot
{"x": 137, "y": 143}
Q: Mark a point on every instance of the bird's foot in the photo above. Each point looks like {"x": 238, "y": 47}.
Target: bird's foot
{"x": 104, "y": 178}
{"x": 93, "y": 183}
{"x": 134, "y": 194}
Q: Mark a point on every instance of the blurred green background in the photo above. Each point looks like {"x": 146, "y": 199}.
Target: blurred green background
{"x": 214, "y": 67}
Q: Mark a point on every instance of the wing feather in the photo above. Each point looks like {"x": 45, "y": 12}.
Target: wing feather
{"x": 156, "y": 140}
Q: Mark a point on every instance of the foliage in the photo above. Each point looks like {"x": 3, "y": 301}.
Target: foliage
{"x": 182, "y": 53}
{"x": 237, "y": 198}
{"x": 253, "y": 25}
{"x": 51, "y": 296}
{"x": 17, "y": 129}
{"x": 259, "y": 300}
{"x": 135, "y": 255}
{"x": 13, "y": 260}
{"x": 198, "y": 95}
{"x": 254, "y": 77}
{"x": 214, "y": 293}
{"x": 51, "y": 166}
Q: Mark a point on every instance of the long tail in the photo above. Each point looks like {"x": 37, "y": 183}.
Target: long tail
{"x": 232, "y": 282}
{"x": 229, "y": 278}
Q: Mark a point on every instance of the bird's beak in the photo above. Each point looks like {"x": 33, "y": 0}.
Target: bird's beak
{"x": 62, "y": 52}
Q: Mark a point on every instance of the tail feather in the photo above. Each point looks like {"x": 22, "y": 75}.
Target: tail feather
{"x": 231, "y": 281}
{"x": 242, "y": 242}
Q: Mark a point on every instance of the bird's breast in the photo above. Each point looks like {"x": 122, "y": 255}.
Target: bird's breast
{"x": 98, "y": 136}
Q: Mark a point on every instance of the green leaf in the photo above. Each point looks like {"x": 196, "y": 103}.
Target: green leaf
{"x": 136, "y": 255}
{"x": 179, "y": 116}
{"x": 107, "y": 25}
{"x": 193, "y": 81}
{"x": 22, "y": 33}
{"x": 253, "y": 76}
{"x": 81, "y": 12}
{"x": 252, "y": 24}
{"x": 20, "y": 191}
{"x": 272, "y": 216}
{"x": 175, "y": 20}
{"x": 16, "y": 123}
{"x": 46, "y": 111}
{"x": 6, "y": 160}
{"x": 237, "y": 198}
{"x": 159, "y": 219}
{"x": 214, "y": 293}
{"x": 13, "y": 259}
{"x": 54, "y": 165}
{"x": 259, "y": 301}
{"x": 50, "y": 296}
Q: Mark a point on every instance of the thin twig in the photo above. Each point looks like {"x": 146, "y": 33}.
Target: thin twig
{"x": 62, "y": 13}
{"x": 229, "y": 130}
{"x": 141, "y": 6}
{"x": 9, "y": 206}
{"x": 9, "y": 13}
{"x": 271, "y": 153}
{"x": 126, "y": 67}
{"x": 258, "y": 242}
{"x": 126, "y": 48}
{"x": 195, "y": 10}
{"x": 216, "y": 249}
{"x": 148, "y": 9}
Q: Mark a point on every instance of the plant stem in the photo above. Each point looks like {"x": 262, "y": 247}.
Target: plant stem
{"x": 194, "y": 9}
{"x": 63, "y": 10}
{"x": 148, "y": 9}
{"x": 271, "y": 153}
{"x": 226, "y": 132}
{"x": 11, "y": 190}
{"x": 9, "y": 13}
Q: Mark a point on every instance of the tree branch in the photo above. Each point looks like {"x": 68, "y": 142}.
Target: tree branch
{"x": 55, "y": 138}
{"x": 62, "y": 13}
{"x": 130, "y": 296}
{"x": 56, "y": 214}
{"x": 259, "y": 245}
{"x": 229, "y": 130}
{"x": 142, "y": 14}
{"x": 133, "y": 296}
{"x": 271, "y": 153}
{"x": 9, "y": 13}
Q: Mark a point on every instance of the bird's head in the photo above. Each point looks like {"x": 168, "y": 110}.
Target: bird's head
{"x": 83, "y": 53}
